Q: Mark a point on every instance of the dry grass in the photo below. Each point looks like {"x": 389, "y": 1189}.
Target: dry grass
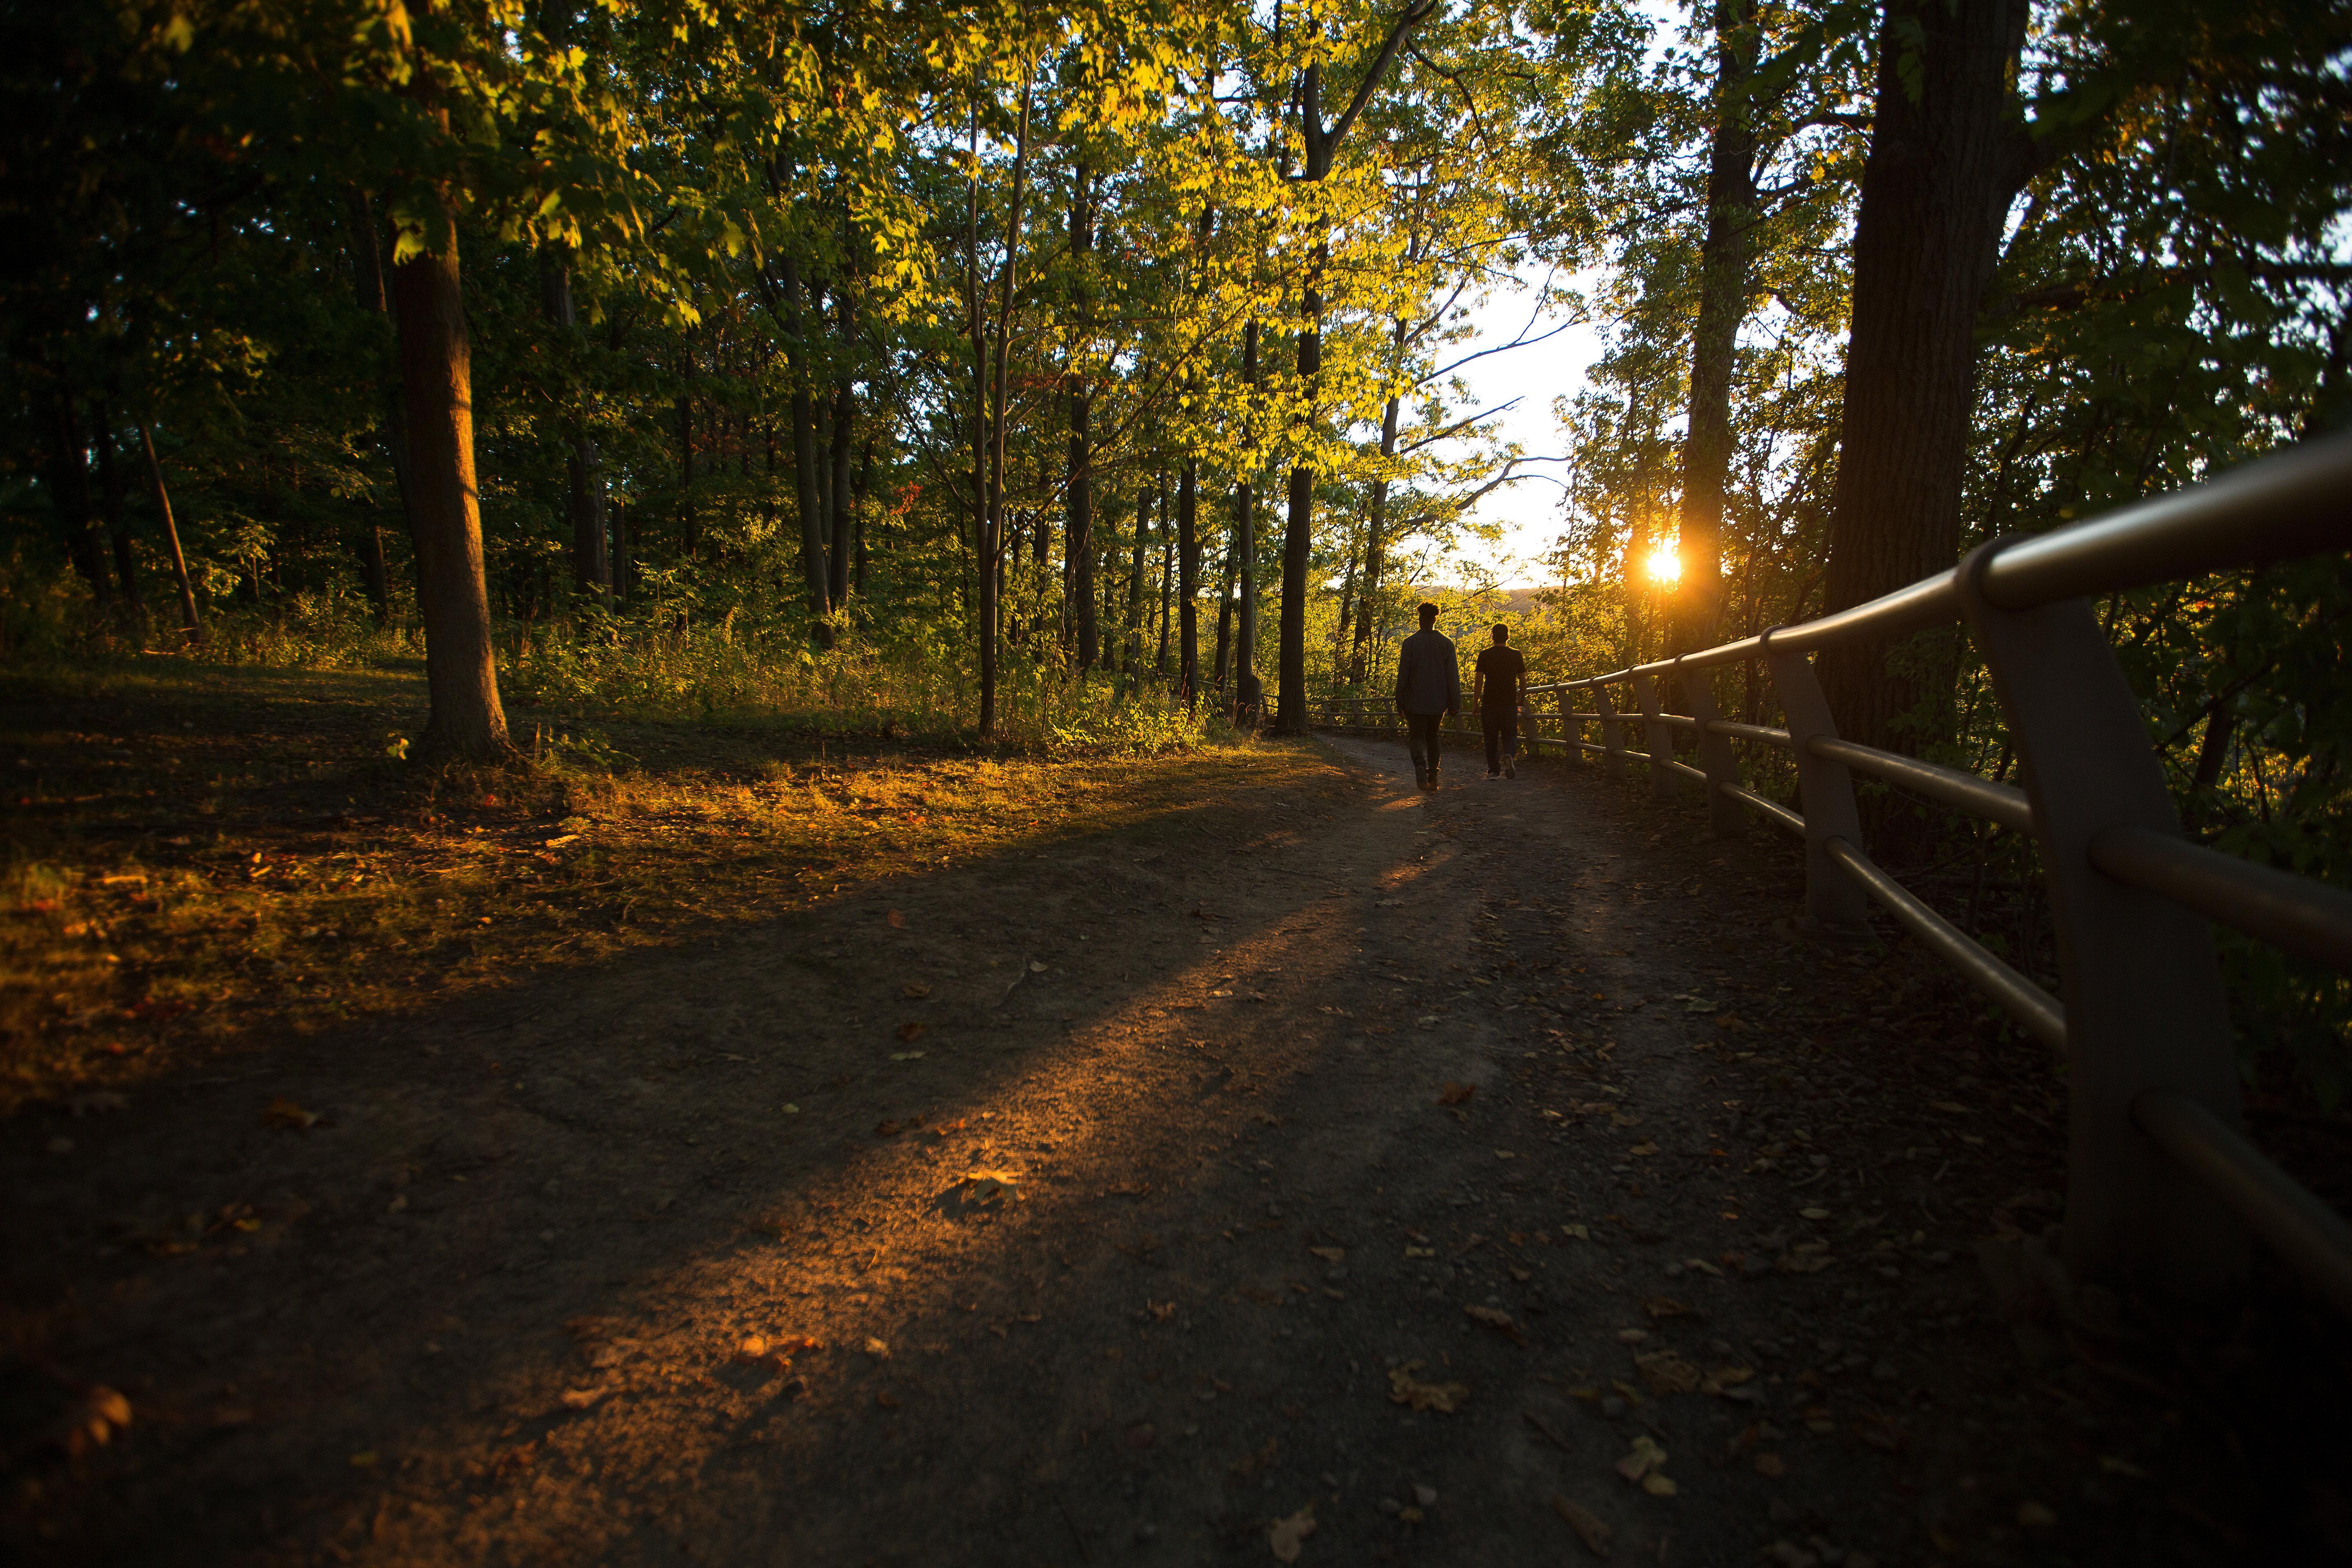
{"x": 203, "y": 859}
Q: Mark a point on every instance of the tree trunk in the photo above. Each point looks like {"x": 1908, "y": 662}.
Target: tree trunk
{"x": 1167, "y": 582}
{"x": 1376, "y": 523}
{"x": 69, "y": 494}
{"x": 690, "y": 528}
{"x": 865, "y": 489}
{"x": 1081, "y": 543}
{"x": 367, "y": 270}
{"x": 189, "y": 620}
{"x": 1188, "y": 584}
{"x": 117, "y": 524}
{"x": 1722, "y": 306}
{"x": 845, "y": 424}
{"x": 1942, "y": 170}
{"x": 592, "y": 569}
{"x": 805, "y": 480}
{"x": 1226, "y": 616}
{"x": 1298, "y": 535}
{"x": 1245, "y": 541}
{"x": 468, "y": 722}
{"x": 1081, "y": 479}
{"x": 1135, "y": 590}
{"x": 991, "y": 539}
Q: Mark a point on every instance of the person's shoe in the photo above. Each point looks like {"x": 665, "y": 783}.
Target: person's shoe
{"x": 1510, "y": 767}
{"x": 1494, "y": 773}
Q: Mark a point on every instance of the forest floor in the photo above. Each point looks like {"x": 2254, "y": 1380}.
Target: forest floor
{"x": 1230, "y": 1157}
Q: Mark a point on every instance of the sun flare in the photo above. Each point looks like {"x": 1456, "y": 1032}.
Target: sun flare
{"x": 1666, "y": 567}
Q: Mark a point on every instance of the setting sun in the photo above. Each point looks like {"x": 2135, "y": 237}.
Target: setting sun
{"x": 1666, "y": 567}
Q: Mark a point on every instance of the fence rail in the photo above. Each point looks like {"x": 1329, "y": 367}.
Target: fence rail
{"x": 2163, "y": 1190}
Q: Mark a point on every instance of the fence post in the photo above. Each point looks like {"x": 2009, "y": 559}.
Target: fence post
{"x": 1726, "y": 819}
{"x": 2144, "y": 1007}
{"x": 1825, "y": 791}
{"x": 1612, "y": 733}
{"x": 1572, "y": 734}
{"x": 1657, "y": 739}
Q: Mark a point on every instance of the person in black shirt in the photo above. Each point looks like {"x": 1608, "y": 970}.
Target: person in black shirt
{"x": 1428, "y": 688}
{"x": 1500, "y": 680}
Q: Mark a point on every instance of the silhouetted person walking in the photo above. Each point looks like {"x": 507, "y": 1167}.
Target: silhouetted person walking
{"x": 1496, "y": 690}
{"x": 1428, "y": 688}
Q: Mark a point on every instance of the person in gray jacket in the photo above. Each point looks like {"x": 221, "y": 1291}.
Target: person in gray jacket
{"x": 1428, "y": 688}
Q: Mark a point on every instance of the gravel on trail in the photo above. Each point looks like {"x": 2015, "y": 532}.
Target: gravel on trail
{"x": 1500, "y": 1175}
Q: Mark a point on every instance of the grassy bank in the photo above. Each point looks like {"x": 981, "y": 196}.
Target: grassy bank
{"x": 203, "y": 856}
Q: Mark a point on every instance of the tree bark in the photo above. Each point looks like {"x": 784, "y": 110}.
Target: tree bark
{"x": 1134, "y": 651}
{"x": 845, "y": 424}
{"x": 467, "y": 721}
{"x": 1245, "y": 545}
{"x": 1375, "y": 553}
{"x": 991, "y": 551}
{"x": 591, "y": 568}
{"x": 1724, "y": 269}
{"x": 1321, "y": 146}
{"x": 1188, "y": 584}
{"x": 1081, "y": 480}
{"x": 118, "y": 524}
{"x": 1942, "y": 170}
{"x": 689, "y": 526}
{"x": 367, "y": 269}
{"x": 69, "y": 494}
{"x": 189, "y": 621}
{"x": 804, "y": 479}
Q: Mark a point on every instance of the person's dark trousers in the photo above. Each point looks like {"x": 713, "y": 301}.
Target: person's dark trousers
{"x": 1502, "y": 729}
{"x": 1422, "y": 740}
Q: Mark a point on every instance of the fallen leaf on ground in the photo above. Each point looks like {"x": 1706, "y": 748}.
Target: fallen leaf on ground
{"x": 1587, "y": 1524}
{"x": 1813, "y": 1213}
{"x": 1770, "y": 1466}
{"x": 879, "y": 1349}
{"x": 753, "y": 1348}
{"x": 1665, "y": 1307}
{"x": 1805, "y": 1257}
{"x": 1406, "y": 1389}
{"x": 888, "y": 1129}
{"x": 1643, "y": 1148}
{"x": 1644, "y": 1460}
{"x": 1328, "y": 1254}
{"x": 1496, "y": 1318}
{"x": 895, "y": 918}
{"x": 582, "y": 1398}
{"x": 887, "y": 1400}
{"x": 1667, "y": 1373}
{"x": 1456, "y": 1093}
{"x": 987, "y": 1187}
{"x": 1037, "y": 968}
{"x": 1582, "y": 1232}
{"x": 1127, "y": 1189}
{"x": 283, "y": 1112}
{"x": 1723, "y": 1379}
{"x": 1880, "y": 1434}
{"x": 911, "y": 1032}
{"x": 915, "y": 989}
{"x": 1287, "y": 1534}
{"x": 92, "y": 1418}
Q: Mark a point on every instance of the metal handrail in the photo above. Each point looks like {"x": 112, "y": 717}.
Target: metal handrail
{"x": 2300, "y": 916}
{"x": 1772, "y": 809}
{"x": 1973, "y": 792}
{"x": 2145, "y": 1025}
{"x": 2026, "y": 1002}
{"x": 2309, "y": 1235}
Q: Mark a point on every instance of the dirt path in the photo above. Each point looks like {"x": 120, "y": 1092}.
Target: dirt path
{"x": 544, "y": 1286}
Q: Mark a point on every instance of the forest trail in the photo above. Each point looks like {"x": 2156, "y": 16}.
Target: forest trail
{"x": 1396, "y": 1104}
